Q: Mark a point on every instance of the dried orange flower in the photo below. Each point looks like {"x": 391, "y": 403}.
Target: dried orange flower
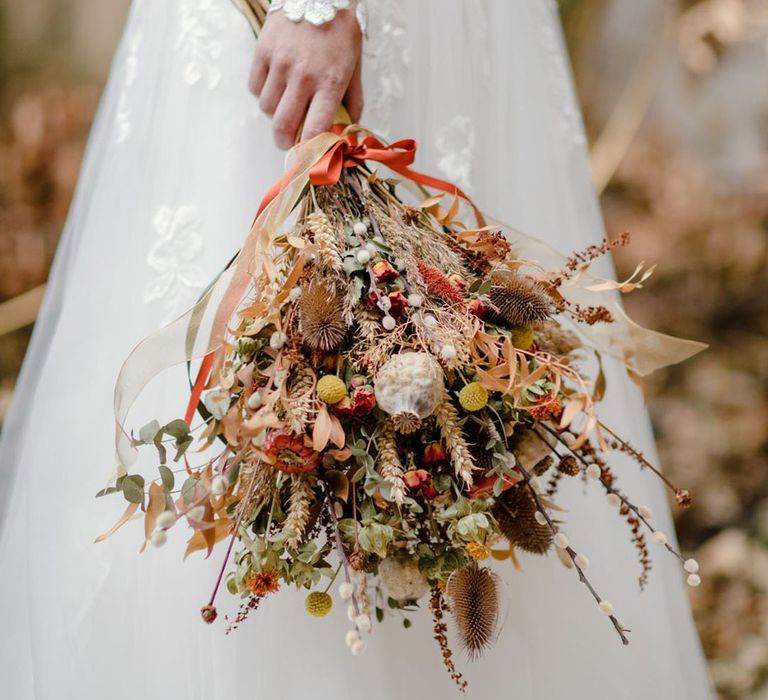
{"x": 478, "y": 551}
{"x": 264, "y": 582}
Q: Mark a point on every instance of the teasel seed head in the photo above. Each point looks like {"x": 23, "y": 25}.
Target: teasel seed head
{"x": 321, "y": 310}
{"x": 515, "y": 512}
{"x": 474, "y": 595}
{"x": 517, "y": 300}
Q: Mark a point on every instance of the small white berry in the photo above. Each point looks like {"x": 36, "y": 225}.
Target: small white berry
{"x": 388, "y": 322}
{"x": 218, "y": 485}
{"x": 372, "y": 249}
{"x": 196, "y": 513}
{"x": 363, "y": 622}
{"x": 430, "y": 321}
{"x": 159, "y": 538}
{"x": 384, "y": 303}
{"x": 581, "y": 561}
{"x": 363, "y": 256}
{"x": 276, "y": 340}
{"x": 659, "y": 537}
{"x": 593, "y": 471}
{"x": 294, "y": 294}
{"x": 358, "y": 648}
{"x": 254, "y": 400}
{"x": 448, "y": 353}
{"x": 345, "y": 590}
{"x": 691, "y": 566}
{"x": 614, "y": 500}
{"x": 351, "y": 637}
{"x": 693, "y": 580}
{"x": 569, "y": 438}
{"x": 166, "y": 519}
{"x": 606, "y": 607}
{"x": 540, "y": 518}
{"x": 645, "y": 512}
{"x": 415, "y": 300}
{"x": 351, "y": 612}
{"x": 359, "y": 228}
{"x": 561, "y": 540}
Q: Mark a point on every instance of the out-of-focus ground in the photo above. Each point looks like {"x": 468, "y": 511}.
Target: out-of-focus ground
{"x": 675, "y": 97}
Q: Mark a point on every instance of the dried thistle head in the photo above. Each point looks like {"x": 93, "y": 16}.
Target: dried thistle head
{"x": 321, "y": 310}
{"x": 515, "y": 512}
{"x": 517, "y": 300}
{"x": 474, "y": 595}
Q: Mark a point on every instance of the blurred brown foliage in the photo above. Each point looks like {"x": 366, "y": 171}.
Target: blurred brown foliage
{"x": 710, "y": 413}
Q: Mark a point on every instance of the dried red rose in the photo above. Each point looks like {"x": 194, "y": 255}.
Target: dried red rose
{"x": 385, "y": 272}
{"x": 478, "y": 308}
{"x": 397, "y": 303}
{"x": 434, "y": 455}
{"x": 290, "y": 453}
{"x": 361, "y": 403}
{"x": 484, "y": 486}
{"x": 420, "y": 480}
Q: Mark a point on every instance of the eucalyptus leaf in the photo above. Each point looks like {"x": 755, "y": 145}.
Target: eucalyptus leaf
{"x": 188, "y": 489}
{"x": 148, "y": 432}
{"x": 167, "y": 477}
{"x": 133, "y": 488}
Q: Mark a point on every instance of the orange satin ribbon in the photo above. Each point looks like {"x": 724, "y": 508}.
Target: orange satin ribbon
{"x": 349, "y": 152}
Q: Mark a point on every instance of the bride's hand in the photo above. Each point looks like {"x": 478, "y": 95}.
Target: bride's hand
{"x": 303, "y": 72}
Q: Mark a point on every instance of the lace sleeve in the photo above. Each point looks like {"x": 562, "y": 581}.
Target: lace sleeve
{"x": 319, "y": 12}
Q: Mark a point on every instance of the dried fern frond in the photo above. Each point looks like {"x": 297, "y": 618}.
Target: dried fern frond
{"x": 517, "y": 300}
{"x": 515, "y": 512}
{"x": 321, "y": 311}
{"x": 329, "y": 251}
{"x": 474, "y": 595}
{"x": 389, "y": 465}
{"x": 301, "y": 498}
{"x": 447, "y": 418}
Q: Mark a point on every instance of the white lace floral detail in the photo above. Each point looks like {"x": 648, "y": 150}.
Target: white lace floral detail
{"x": 317, "y": 12}
{"x": 387, "y": 56}
{"x": 455, "y": 143}
{"x": 197, "y": 43}
{"x": 172, "y": 257}
{"x": 570, "y": 122}
{"x": 123, "y": 123}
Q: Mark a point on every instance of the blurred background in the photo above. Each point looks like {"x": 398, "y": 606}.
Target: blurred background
{"x": 675, "y": 99}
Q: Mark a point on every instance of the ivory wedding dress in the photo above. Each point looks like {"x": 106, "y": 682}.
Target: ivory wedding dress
{"x": 178, "y": 160}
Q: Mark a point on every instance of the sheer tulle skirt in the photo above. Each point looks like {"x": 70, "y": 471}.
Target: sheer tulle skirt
{"x": 176, "y": 165}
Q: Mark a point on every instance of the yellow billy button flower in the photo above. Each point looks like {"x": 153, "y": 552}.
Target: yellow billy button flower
{"x": 473, "y": 397}
{"x": 522, "y": 337}
{"x": 331, "y": 389}
{"x": 318, "y": 604}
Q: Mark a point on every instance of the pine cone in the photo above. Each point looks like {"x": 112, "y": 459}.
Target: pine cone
{"x": 517, "y": 300}
{"x": 515, "y": 511}
{"x": 568, "y": 466}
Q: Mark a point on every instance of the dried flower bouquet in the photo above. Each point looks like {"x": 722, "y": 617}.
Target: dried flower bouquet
{"x": 396, "y": 398}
